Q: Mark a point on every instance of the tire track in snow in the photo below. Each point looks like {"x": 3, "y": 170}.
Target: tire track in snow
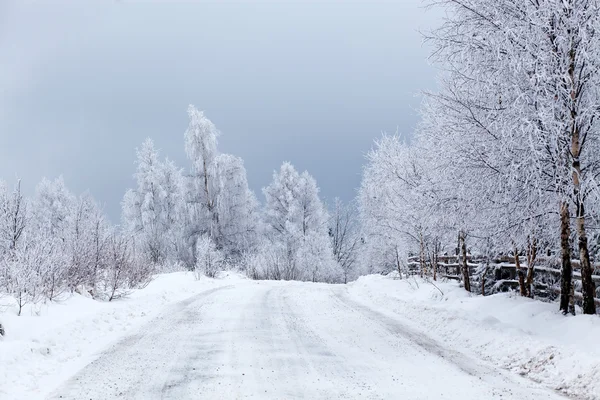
{"x": 334, "y": 373}
{"x": 123, "y": 371}
{"x": 506, "y": 382}
{"x": 285, "y": 340}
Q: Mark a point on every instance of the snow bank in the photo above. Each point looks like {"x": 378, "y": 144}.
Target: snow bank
{"x": 525, "y": 336}
{"x": 49, "y": 343}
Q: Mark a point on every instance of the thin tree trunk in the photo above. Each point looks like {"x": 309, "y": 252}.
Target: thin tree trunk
{"x": 567, "y": 272}
{"x": 485, "y": 271}
{"x": 398, "y": 264}
{"x": 465, "y": 265}
{"x": 422, "y": 255}
{"x": 520, "y": 273}
{"x": 588, "y": 288}
{"x": 435, "y": 259}
{"x": 210, "y": 203}
{"x": 572, "y": 300}
{"x": 531, "y": 258}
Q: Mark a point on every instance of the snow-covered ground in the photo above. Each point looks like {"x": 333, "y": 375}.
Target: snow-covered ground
{"x": 527, "y": 337}
{"x": 49, "y": 343}
{"x": 233, "y": 338}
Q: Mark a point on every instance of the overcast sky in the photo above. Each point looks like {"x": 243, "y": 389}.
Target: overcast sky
{"x": 82, "y": 83}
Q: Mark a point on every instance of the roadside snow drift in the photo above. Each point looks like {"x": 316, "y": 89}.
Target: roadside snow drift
{"x": 525, "y": 336}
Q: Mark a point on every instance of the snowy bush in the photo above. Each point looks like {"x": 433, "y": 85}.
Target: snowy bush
{"x": 122, "y": 270}
{"x": 315, "y": 259}
{"x": 22, "y": 278}
{"x": 269, "y": 262}
{"x": 209, "y": 260}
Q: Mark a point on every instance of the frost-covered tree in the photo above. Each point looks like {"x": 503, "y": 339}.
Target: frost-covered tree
{"x": 88, "y": 240}
{"x": 344, "y": 231}
{"x": 209, "y": 259}
{"x": 525, "y": 74}
{"x": 296, "y": 221}
{"x": 153, "y": 211}
{"x": 19, "y": 278}
{"x": 282, "y": 217}
{"x": 236, "y": 207}
{"x": 52, "y": 212}
{"x": 52, "y": 208}
{"x": 201, "y": 149}
{"x": 220, "y": 204}
{"x": 13, "y": 217}
{"x": 397, "y": 202}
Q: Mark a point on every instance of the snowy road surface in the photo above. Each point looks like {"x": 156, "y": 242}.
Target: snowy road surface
{"x": 286, "y": 340}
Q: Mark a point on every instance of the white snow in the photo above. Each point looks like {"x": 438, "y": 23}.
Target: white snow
{"x": 235, "y": 338}
{"x": 525, "y": 336}
{"x": 49, "y": 343}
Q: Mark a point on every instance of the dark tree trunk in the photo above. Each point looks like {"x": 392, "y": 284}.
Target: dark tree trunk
{"x": 422, "y": 255}
{"x": 465, "y": 265}
{"x": 435, "y": 258}
{"x": 485, "y": 271}
{"x": 588, "y": 288}
{"x": 520, "y": 274}
{"x": 531, "y": 258}
{"x": 567, "y": 270}
{"x": 577, "y": 143}
{"x": 398, "y": 263}
{"x": 572, "y": 301}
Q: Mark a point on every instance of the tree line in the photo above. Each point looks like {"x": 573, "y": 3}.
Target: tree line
{"x": 207, "y": 217}
{"x": 504, "y": 162}
{"x": 203, "y": 219}
{"x": 506, "y": 158}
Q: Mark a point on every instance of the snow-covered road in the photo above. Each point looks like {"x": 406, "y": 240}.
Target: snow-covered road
{"x": 287, "y": 340}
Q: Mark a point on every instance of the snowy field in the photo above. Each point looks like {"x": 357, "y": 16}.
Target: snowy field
{"x": 233, "y": 338}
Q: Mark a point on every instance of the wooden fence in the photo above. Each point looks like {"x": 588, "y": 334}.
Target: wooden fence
{"x": 502, "y": 274}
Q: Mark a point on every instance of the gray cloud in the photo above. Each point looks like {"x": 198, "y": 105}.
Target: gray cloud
{"x": 309, "y": 82}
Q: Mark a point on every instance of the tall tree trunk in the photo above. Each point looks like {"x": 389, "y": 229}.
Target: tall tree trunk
{"x": 398, "y": 263}
{"x": 483, "y": 275}
{"x": 520, "y": 273}
{"x": 210, "y": 203}
{"x": 422, "y": 255}
{"x": 465, "y": 265}
{"x": 566, "y": 275}
{"x": 435, "y": 258}
{"x": 588, "y": 288}
{"x": 572, "y": 300}
{"x": 531, "y": 258}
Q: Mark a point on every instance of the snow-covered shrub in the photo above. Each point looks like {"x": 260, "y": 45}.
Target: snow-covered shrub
{"x": 87, "y": 244}
{"x": 51, "y": 259}
{"x": 315, "y": 260}
{"x": 122, "y": 271}
{"x": 22, "y": 278}
{"x": 268, "y": 262}
{"x": 209, "y": 260}
{"x": 166, "y": 268}
{"x": 140, "y": 273}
